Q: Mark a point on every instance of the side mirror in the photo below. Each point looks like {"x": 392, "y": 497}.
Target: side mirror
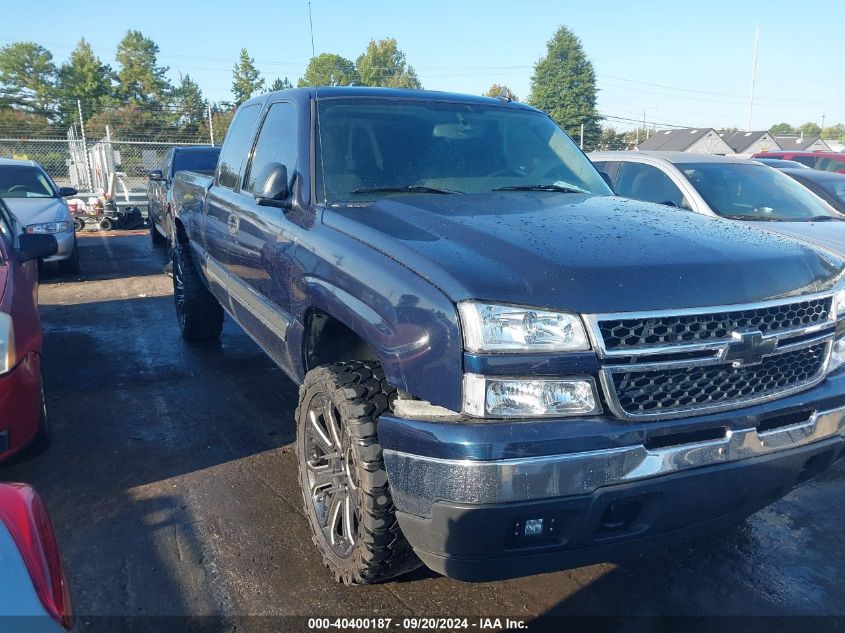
{"x": 606, "y": 178}
{"x": 271, "y": 186}
{"x": 67, "y": 192}
{"x": 37, "y": 246}
{"x": 156, "y": 174}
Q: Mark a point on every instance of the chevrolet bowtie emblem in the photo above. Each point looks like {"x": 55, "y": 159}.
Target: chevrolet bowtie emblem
{"x": 748, "y": 348}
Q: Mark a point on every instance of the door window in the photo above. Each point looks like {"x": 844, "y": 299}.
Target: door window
{"x": 236, "y": 145}
{"x": 809, "y": 161}
{"x": 645, "y": 182}
{"x": 831, "y": 164}
{"x": 276, "y": 143}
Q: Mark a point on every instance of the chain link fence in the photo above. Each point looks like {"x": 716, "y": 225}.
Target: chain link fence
{"x": 86, "y": 165}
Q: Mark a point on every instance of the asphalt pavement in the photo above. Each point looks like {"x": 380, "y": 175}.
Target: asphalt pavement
{"x": 172, "y": 485}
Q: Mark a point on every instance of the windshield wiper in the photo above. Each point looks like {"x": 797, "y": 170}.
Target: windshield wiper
{"x": 823, "y": 218}
{"x": 404, "y": 189}
{"x": 560, "y": 188}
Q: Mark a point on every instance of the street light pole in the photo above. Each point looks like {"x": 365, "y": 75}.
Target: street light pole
{"x": 753, "y": 79}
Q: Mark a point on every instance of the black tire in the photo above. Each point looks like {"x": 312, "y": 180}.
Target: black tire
{"x": 198, "y": 312}
{"x": 71, "y": 266}
{"x": 155, "y": 237}
{"x": 360, "y": 541}
{"x": 78, "y": 224}
{"x": 106, "y": 224}
{"x": 44, "y": 436}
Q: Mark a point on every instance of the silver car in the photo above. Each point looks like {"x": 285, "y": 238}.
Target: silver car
{"x": 733, "y": 188}
{"x": 40, "y": 207}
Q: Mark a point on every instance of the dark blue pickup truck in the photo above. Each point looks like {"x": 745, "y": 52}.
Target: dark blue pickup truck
{"x": 504, "y": 369}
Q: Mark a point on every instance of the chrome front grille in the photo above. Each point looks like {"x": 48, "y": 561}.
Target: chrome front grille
{"x": 634, "y": 333}
{"x": 689, "y": 362}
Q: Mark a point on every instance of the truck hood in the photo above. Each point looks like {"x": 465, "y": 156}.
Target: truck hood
{"x": 826, "y": 234}
{"x": 38, "y": 210}
{"x": 584, "y": 253}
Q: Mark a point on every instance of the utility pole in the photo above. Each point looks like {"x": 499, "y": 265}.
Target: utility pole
{"x": 85, "y": 147}
{"x": 823, "y": 116}
{"x": 210, "y": 126}
{"x": 644, "y": 127}
{"x": 753, "y": 78}
{"x": 582, "y": 136}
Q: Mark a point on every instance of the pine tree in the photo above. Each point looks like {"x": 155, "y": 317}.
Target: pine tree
{"x": 86, "y": 78}
{"x": 564, "y": 85}
{"x": 27, "y": 77}
{"x": 280, "y": 84}
{"x": 383, "y": 64}
{"x": 246, "y": 80}
{"x": 140, "y": 79}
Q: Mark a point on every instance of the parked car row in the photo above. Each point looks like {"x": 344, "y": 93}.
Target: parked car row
{"x": 824, "y": 161}
{"x": 505, "y": 369}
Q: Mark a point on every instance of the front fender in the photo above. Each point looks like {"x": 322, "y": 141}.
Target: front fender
{"x": 411, "y": 325}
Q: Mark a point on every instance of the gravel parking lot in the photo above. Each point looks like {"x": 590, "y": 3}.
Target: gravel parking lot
{"x": 172, "y": 484}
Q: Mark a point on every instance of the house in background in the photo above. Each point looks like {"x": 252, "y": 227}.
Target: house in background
{"x": 699, "y": 140}
{"x": 802, "y": 144}
{"x": 744, "y": 144}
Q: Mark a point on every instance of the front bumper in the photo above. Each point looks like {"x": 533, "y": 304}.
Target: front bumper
{"x": 67, "y": 243}
{"x": 465, "y": 514}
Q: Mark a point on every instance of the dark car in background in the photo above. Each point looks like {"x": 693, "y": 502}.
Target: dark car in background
{"x": 196, "y": 158}
{"x": 828, "y": 186}
{"x": 824, "y": 161}
{"x": 781, "y": 163}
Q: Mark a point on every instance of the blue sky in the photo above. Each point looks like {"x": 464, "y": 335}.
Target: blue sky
{"x": 684, "y": 65}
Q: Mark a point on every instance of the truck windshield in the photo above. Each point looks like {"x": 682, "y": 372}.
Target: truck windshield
{"x": 754, "y": 192}
{"x": 203, "y": 160}
{"x": 371, "y": 148}
{"x": 24, "y": 181}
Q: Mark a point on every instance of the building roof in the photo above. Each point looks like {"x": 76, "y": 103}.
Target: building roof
{"x": 795, "y": 143}
{"x": 674, "y": 140}
{"x": 740, "y": 141}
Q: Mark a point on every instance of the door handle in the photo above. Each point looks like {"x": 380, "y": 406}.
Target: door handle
{"x": 233, "y": 224}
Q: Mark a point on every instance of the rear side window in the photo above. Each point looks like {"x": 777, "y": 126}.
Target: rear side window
{"x": 831, "y": 164}
{"x": 202, "y": 160}
{"x": 237, "y": 142}
{"x": 645, "y": 182}
{"x": 276, "y": 142}
{"x": 809, "y": 161}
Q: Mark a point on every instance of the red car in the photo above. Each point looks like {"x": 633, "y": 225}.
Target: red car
{"x": 823, "y": 161}
{"x": 23, "y": 415}
{"x": 35, "y": 595}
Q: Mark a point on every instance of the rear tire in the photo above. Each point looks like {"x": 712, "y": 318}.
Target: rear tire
{"x": 106, "y": 224}
{"x": 44, "y": 436}
{"x": 342, "y": 476}
{"x": 198, "y": 312}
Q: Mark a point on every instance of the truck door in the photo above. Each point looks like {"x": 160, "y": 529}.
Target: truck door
{"x": 261, "y": 254}
{"x": 221, "y": 218}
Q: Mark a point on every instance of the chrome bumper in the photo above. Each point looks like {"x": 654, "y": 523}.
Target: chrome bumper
{"x": 417, "y": 482}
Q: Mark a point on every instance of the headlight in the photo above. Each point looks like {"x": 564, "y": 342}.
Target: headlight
{"x": 8, "y": 356}
{"x": 495, "y": 328}
{"x": 509, "y": 397}
{"x": 48, "y": 227}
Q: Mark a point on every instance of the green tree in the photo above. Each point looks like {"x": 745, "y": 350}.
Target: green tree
{"x": 383, "y": 64}
{"x": 280, "y": 84}
{"x": 834, "y": 132}
{"x": 610, "y": 139}
{"x": 809, "y": 129}
{"x": 189, "y": 105}
{"x": 27, "y": 77}
{"x": 221, "y": 117}
{"x": 246, "y": 79}
{"x": 140, "y": 79}
{"x": 781, "y": 129}
{"x": 501, "y": 91}
{"x": 328, "y": 69}
{"x": 86, "y": 78}
{"x": 564, "y": 85}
